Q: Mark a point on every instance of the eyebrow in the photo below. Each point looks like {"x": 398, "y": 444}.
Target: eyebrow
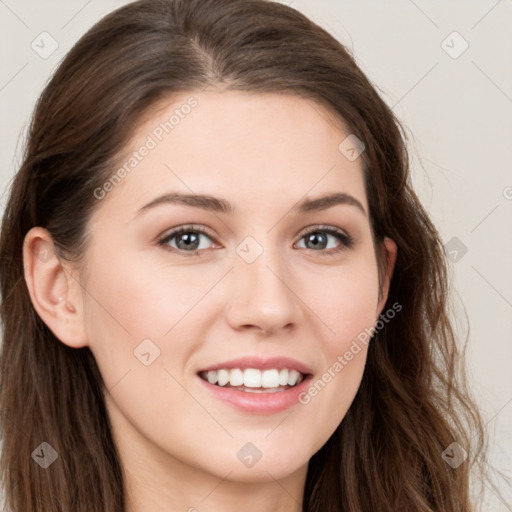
{"x": 219, "y": 205}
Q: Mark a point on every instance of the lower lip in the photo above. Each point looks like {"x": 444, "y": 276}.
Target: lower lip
{"x": 258, "y": 403}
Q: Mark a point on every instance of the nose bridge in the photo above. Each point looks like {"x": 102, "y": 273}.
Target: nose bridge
{"x": 261, "y": 264}
{"x": 262, "y": 296}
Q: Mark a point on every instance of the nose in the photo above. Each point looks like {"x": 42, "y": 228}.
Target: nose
{"x": 261, "y": 295}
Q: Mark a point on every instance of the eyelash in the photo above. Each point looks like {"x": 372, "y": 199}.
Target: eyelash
{"x": 346, "y": 240}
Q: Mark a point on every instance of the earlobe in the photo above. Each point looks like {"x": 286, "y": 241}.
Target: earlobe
{"x": 53, "y": 293}
{"x": 390, "y": 251}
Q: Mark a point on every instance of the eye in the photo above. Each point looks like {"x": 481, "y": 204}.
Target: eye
{"x": 317, "y": 238}
{"x": 186, "y": 239}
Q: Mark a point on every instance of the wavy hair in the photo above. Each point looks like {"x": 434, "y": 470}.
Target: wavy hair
{"x": 413, "y": 401}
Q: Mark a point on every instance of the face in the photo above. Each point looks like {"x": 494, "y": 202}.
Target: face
{"x": 261, "y": 278}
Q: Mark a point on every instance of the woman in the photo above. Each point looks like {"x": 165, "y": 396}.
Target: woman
{"x": 229, "y": 293}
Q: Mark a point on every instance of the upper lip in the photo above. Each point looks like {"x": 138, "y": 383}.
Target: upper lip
{"x": 260, "y": 363}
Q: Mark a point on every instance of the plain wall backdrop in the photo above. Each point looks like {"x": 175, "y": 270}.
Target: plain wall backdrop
{"x": 446, "y": 70}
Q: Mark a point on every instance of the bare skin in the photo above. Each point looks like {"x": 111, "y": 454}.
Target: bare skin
{"x": 263, "y": 153}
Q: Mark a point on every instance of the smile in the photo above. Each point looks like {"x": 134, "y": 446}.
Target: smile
{"x": 253, "y": 380}
{"x": 262, "y": 393}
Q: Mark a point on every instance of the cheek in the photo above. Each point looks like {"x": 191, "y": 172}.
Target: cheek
{"x": 333, "y": 389}
{"x": 330, "y": 394}
{"x": 132, "y": 302}
{"x": 121, "y": 311}
{"x": 140, "y": 301}
{"x": 344, "y": 299}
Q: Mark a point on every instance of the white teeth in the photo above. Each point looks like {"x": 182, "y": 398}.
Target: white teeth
{"x": 270, "y": 379}
{"x": 222, "y": 377}
{"x": 293, "y": 376}
{"x": 254, "y": 378}
{"x": 236, "y": 377}
{"x": 212, "y": 377}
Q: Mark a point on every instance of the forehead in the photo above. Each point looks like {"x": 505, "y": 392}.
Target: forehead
{"x": 257, "y": 150}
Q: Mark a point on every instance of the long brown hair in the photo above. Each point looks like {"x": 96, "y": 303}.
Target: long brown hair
{"x": 386, "y": 455}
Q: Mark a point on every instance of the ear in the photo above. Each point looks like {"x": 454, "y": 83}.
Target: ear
{"x": 389, "y": 253}
{"x": 55, "y": 293}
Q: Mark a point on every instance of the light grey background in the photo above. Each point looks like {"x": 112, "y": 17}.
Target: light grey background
{"x": 458, "y": 108}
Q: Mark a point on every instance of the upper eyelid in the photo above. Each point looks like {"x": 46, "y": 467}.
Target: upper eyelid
{"x": 185, "y": 228}
{"x": 321, "y": 227}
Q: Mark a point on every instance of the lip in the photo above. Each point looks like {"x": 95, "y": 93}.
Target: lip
{"x": 258, "y": 403}
{"x": 261, "y": 364}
